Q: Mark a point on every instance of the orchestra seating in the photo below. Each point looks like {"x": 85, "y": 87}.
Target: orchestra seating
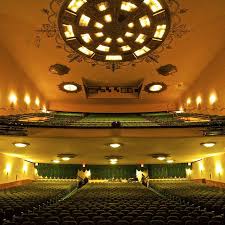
{"x": 120, "y": 204}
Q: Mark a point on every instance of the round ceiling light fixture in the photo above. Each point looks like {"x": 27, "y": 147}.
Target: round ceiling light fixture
{"x": 56, "y": 161}
{"x": 113, "y": 159}
{"x": 70, "y": 87}
{"x": 115, "y": 145}
{"x": 21, "y": 144}
{"x": 160, "y": 156}
{"x": 208, "y": 144}
{"x": 155, "y": 87}
{"x": 170, "y": 161}
{"x": 117, "y": 31}
{"x": 66, "y": 157}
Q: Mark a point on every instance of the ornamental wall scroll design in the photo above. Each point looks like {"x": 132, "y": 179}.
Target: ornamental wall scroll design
{"x": 50, "y": 30}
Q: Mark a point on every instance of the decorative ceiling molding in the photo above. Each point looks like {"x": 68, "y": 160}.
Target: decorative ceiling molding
{"x": 50, "y": 30}
{"x": 59, "y": 69}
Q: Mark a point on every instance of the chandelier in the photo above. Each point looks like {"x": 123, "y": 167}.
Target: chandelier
{"x": 114, "y": 31}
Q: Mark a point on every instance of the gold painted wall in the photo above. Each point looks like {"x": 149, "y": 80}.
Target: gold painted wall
{"x": 211, "y": 168}
{"x": 14, "y": 169}
{"x": 14, "y": 82}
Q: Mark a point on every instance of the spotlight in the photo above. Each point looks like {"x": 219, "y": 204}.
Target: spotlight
{"x": 65, "y": 158}
{"x": 115, "y": 145}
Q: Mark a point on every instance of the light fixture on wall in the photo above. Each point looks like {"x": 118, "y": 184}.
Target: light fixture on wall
{"x": 155, "y": 87}
{"x": 12, "y": 99}
{"x": 208, "y": 144}
{"x": 8, "y": 168}
{"x": 21, "y": 144}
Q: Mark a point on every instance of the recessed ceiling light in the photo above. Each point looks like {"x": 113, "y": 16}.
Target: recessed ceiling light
{"x": 131, "y": 25}
{"x": 103, "y": 48}
{"x": 70, "y": 87}
{"x": 141, "y": 38}
{"x": 85, "y": 50}
{"x": 99, "y": 34}
{"x": 102, "y": 6}
{"x": 99, "y": 25}
{"x": 161, "y": 158}
{"x": 160, "y": 31}
{"x": 86, "y": 38}
{"x": 155, "y": 87}
{"x": 76, "y": 4}
{"x": 108, "y": 40}
{"x": 208, "y": 144}
{"x": 170, "y": 161}
{"x": 119, "y": 40}
{"x": 153, "y": 4}
{"x": 113, "y": 161}
{"x": 128, "y": 6}
{"x": 108, "y": 18}
{"x": 56, "y": 161}
{"x": 114, "y": 57}
{"x": 114, "y": 145}
{"x": 142, "y": 51}
{"x": 125, "y": 48}
{"x": 129, "y": 34}
{"x": 84, "y": 20}
{"x": 21, "y": 144}
{"x": 144, "y": 21}
{"x": 68, "y": 31}
{"x": 65, "y": 158}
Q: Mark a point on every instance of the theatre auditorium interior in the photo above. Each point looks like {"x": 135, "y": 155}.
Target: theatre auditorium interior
{"x": 112, "y": 112}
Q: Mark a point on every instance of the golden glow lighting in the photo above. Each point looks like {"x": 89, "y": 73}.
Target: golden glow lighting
{"x": 13, "y": 98}
{"x": 27, "y": 99}
{"x": 20, "y": 144}
{"x": 86, "y": 38}
{"x": 84, "y": 20}
{"x": 160, "y": 31}
{"x": 108, "y": 18}
{"x": 129, "y": 34}
{"x": 8, "y": 168}
{"x": 102, "y": 6}
{"x": 113, "y": 161}
{"x": 113, "y": 57}
{"x": 108, "y": 40}
{"x": 125, "y": 48}
{"x": 37, "y": 101}
{"x": 76, "y": 4}
{"x": 144, "y": 21}
{"x": 103, "y": 48}
{"x": 154, "y": 5}
{"x": 218, "y": 168}
{"x": 212, "y": 99}
{"x": 170, "y": 161}
{"x": 119, "y": 40}
{"x": 208, "y": 144}
{"x": 70, "y": 87}
{"x": 161, "y": 158}
{"x": 155, "y": 87}
{"x": 98, "y": 25}
{"x": 68, "y": 31}
{"x": 141, "y": 38}
{"x": 198, "y": 100}
{"x": 128, "y": 6}
{"x": 131, "y": 25}
{"x": 188, "y": 101}
{"x": 142, "y": 51}
{"x": 114, "y": 145}
{"x": 25, "y": 168}
{"x": 56, "y": 161}
{"x": 65, "y": 158}
{"x": 99, "y": 34}
{"x": 86, "y": 51}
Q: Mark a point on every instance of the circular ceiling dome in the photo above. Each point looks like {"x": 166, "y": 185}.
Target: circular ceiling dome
{"x": 105, "y": 30}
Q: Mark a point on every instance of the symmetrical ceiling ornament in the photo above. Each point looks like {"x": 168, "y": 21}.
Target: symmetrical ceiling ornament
{"x": 116, "y": 34}
{"x": 59, "y": 69}
{"x": 167, "y": 70}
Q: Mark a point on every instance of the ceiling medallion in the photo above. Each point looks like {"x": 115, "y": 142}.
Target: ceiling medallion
{"x": 113, "y": 34}
{"x": 70, "y": 87}
{"x": 59, "y": 69}
{"x": 155, "y": 87}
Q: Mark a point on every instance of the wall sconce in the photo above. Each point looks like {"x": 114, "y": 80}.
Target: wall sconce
{"x": 188, "y": 172}
{"x": 12, "y": 99}
{"x": 201, "y": 167}
{"x": 188, "y": 102}
{"x": 212, "y": 99}
{"x": 8, "y": 169}
{"x": 27, "y": 100}
{"x": 25, "y": 168}
{"x": 37, "y": 102}
{"x": 198, "y": 102}
{"x": 218, "y": 169}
